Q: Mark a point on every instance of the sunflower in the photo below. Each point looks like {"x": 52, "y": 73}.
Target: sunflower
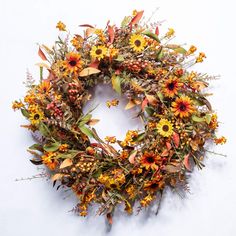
{"x": 171, "y": 87}
{"x": 36, "y": 117}
{"x": 165, "y": 128}
{"x": 137, "y": 42}
{"x": 73, "y": 62}
{"x": 182, "y": 106}
{"x": 98, "y": 52}
{"x": 149, "y": 160}
{"x": 154, "y": 185}
{"x": 44, "y": 87}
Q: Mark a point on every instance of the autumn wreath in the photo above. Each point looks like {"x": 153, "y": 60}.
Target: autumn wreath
{"x": 154, "y": 75}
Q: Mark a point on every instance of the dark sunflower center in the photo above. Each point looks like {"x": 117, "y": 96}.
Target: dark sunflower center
{"x": 99, "y": 51}
{"x": 154, "y": 185}
{"x": 171, "y": 86}
{"x": 150, "y": 159}
{"x": 72, "y": 63}
{"x": 36, "y": 116}
{"x": 182, "y": 107}
{"x": 165, "y": 128}
{"x": 137, "y": 43}
{"x": 113, "y": 186}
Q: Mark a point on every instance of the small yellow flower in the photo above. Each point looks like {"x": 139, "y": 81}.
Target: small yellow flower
{"x": 63, "y": 147}
{"x": 98, "y": 52}
{"x": 110, "y": 139}
{"x": 137, "y": 42}
{"x": 113, "y": 52}
{"x": 130, "y": 135}
{"x": 165, "y": 128}
{"x": 170, "y": 33}
{"x": 113, "y": 103}
{"x": 200, "y": 57}
{"x": 191, "y": 50}
{"x": 147, "y": 200}
{"x": 221, "y": 140}
{"x": 17, "y": 105}
{"x": 77, "y": 41}
{"x": 61, "y": 26}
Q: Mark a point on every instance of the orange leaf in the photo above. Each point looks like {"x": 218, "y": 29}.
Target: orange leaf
{"x": 89, "y": 31}
{"x": 132, "y": 156}
{"x": 88, "y": 71}
{"x": 151, "y": 99}
{"x": 93, "y": 122}
{"x": 165, "y": 153}
{"x": 136, "y": 18}
{"x": 144, "y": 104}
{"x": 186, "y": 162}
{"x": 57, "y": 176}
{"x": 67, "y": 162}
{"x": 168, "y": 145}
{"x": 109, "y": 218}
{"x": 94, "y": 64}
{"x": 111, "y": 34}
{"x": 157, "y": 31}
{"x": 42, "y": 55}
{"x": 176, "y": 139}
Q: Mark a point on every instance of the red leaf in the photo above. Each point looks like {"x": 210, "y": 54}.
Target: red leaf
{"x": 86, "y": 25}
{"x": 109, "y": 218}
{"x": 94, "y": 64}
{"x": 42, "y": 55}
{"x": 176, "y": 139}
{"x": 186, "y": 162}
{"x": 157, "y": 31}
{"x": 144, "y": 104}
{"x": 132, "y": 157}
{"x": 111, "y": 34}
{"x": 168, "y": 145}
{"x": 137, "y": 18}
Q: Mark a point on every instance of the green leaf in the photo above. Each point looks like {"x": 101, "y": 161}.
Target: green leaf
{"x": 208, "y": 119}
{"x": 151, "y": 35}
{"x": 85, "y": 119}
{"x": 25, "y": 113}
{"x": 86, "y": 131}
{"x": 52, "y": 147}
{"x": 116, "y": 81}
{"x": 160, "y": 96}
{"x": 97, "y": 173}
{"x": 198, "y": 119}
{"x": 36, "y": 146}
{"x": 120, "y": 58}
{"x": 180, "y": 50}
{"x": 149, "y": 111}
{"x": 43, "y": 129}
{"x": 140, "y": 137}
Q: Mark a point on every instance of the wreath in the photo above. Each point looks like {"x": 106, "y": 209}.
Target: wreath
{"x": 155, "y": 76}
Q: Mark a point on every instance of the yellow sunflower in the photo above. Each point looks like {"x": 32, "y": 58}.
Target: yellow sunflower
{"x": 73, "y": 62}
{"x": 137, "y": 42}
{"x": 182, "y": 106}
{"x": 98, "y": 52}
{"x": 165, "y": 128}
{"x": 171, "y": 87}
{"x": 36, "y": 117}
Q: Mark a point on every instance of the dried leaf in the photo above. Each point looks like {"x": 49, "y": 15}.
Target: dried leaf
{"x": 157, "y": 31}
{"x": 186, "y": 162}
{"x": 172, "y": 168}
{"x": 36, "y": 162}
{"x": 67, "y": 162}
{"x": 57, "y": 177}
{"x": 176, "y": 139}
{"x": 93, "y": 122}
{"x": 165, "y": 153}
{"x": 136, "y": 18}
{"x": 111, "y": 34}
{"x": 42, "y": 64}
{"x": 144, "y": 104}
{"x": 89, "y": 31}
{"x": 130, "y": 105}
{"x": 52, "y": 147}
{"x": 152, "y": 100}
{"x": 109, "y": 218}
{"x": 42, "y": 55}
{"x": 89, "y": 71}
{"x": 132, "y": 156}
{"x": 86, "y": 131}
{"x": 168, "y": 145}
{"x": 86, "y": 25}
{"x": 116, "y": 83}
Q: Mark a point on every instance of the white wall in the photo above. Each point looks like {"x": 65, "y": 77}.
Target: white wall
{"x": 34, "y": 208}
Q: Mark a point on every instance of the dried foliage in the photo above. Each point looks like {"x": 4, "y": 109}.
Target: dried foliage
{"x": 154, "y": 75}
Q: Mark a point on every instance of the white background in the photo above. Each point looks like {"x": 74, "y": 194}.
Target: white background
{"x": 34, "y": 208}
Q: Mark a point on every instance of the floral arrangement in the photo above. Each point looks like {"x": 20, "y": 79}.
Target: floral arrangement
{"x": 155, "y": 76}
